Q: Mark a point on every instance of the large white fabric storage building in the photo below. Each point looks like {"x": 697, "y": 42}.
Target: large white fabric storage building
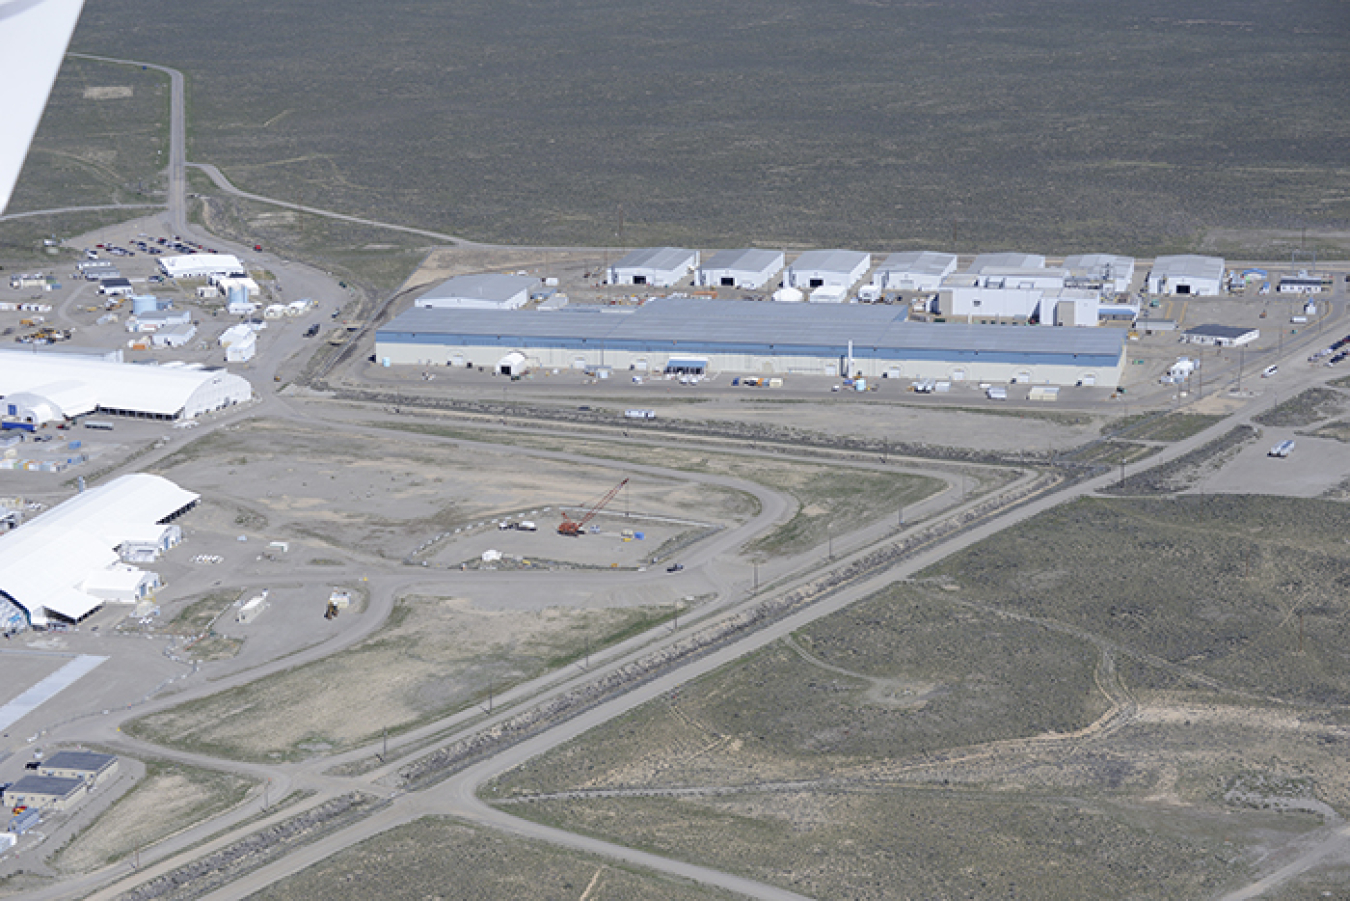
{"x": 66, "y": 563}
{"x": 72, "y": 387}
{"x": 827, "y": 269}
{"x": 915, "y": 270}
{"x": 1014, "y": 270}
{"x": 487, "y": 291}
{"x": 747, "y": 268}
{"x": 659, "y": 267}
{"x": 1186, "y": 274}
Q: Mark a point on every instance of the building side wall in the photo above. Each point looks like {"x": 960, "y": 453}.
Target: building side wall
{"x": 1054, "y": 369}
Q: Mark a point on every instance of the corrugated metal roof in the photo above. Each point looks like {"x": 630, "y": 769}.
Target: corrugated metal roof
{"x": 1188, "y": 266}
{"x": 694, "y": 324}
{"x": 841, "y": 261}
{"x": 919, "y": 262}
{"x": 987, "y": 261}
{"x": 666, "y": 259}
{"x": 492, "y": 287}
{"x": 749, "y": 260}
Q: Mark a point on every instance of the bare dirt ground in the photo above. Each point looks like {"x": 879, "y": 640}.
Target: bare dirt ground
{"x": 169, "y": 798}
{"x": 434, "y": 655}
{"x": 362, "y": 497}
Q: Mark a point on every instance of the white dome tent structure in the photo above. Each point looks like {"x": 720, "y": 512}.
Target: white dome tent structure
{"x": 47, "y": 385}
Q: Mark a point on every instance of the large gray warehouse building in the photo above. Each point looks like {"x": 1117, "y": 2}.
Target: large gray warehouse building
{"x": 697, "y": 334}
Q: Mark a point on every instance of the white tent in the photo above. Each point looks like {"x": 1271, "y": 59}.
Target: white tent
{"x": 84, "y": 385}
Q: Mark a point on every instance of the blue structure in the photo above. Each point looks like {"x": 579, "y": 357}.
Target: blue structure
{"x": 758, "y": 338}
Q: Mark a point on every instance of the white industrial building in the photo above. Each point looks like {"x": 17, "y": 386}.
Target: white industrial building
{"x": 488, "y": 291}
{"x": 827, "y": 268}
{"x": 1064, "y": 306}
{"x": 747, "y": 268}
{"x": 174, "y": 335}
{"x": 115, "y": 287}
{"x": 1220, "y": 335}
{"x": 39, "y": 388}
{"x": 201, "y": 265}
{"x": 730, "y": 336}
{"x": 659, "y": 267}
{"x": 1106, "y": 272}
{"x": 1303, "y": 283}
{"x": 224, "y": 284}
{"x": 916, "y": 270}
{"x": 1013, "y": 270}
{"x": 65, "y": 564}
{"x": 1186, "y": 274}
{"x": 154, "y": 320}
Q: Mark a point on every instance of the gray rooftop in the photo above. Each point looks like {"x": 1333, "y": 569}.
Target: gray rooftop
{"x": 665, "y": 259}
{"x": 489, "y": 287}
{"x": 1220, "y": 331}
{"x": 45, "y": 785}
{"x": 921, "y": 262}
{"x": 844, "y": 261}
{"x": 749, "y": 260}
{"x": 708, "y": 323}
{"x": 88, "y": 761}
{"x": 1188, "y": 265}
{"x": 987, "y": 261}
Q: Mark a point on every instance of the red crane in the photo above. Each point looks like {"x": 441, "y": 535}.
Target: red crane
{"x": 570, "y": 526}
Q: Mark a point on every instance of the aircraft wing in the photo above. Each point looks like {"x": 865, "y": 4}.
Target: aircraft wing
{"x": 33, "y": 39}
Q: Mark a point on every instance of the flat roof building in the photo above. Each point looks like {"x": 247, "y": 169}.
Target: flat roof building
{"x": 1220, "y": 335}
{"x": 89, "y": 766}
{"x": 45, "y": 792}
{"x": 487, "y": 291}
{"x": 748, "y": 268}
{"x": 659, "y": 267}
{"x": 915, "y": 270}
{"x": 827, "y": 268}
{"x": 742, "y": 336}
{"x": 1186, "y": 274}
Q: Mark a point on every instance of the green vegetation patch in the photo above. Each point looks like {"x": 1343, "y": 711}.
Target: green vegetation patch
{"x": 1312, "y": 406}
{"x": 1219, "y": 586}
{"x": 171, "y": 797}
{"x": 432, "y": 656}
{"x": 441, "y": 858}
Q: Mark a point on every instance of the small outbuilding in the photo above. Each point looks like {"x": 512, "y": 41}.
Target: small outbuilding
{"x": 659, "y": 267}
{"x": 89, "y": 766}
{"x": 748, "y": 268}
{"x": 1220, "y": 335}
{"x": 45, "y": 792}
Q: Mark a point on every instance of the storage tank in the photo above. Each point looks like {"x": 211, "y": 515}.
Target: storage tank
{"x": 144, "y": 303}
{"x": 238, "y": 294}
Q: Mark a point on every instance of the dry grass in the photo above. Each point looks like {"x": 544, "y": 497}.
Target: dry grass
{"x": 433, "y": 656}
{"x": 170, "y": 798}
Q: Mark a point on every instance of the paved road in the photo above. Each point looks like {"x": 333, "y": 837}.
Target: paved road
{"x": 457, "y": 795}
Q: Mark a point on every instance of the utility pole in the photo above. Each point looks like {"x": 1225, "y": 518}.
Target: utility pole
{"x": 1122, "y": 473}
